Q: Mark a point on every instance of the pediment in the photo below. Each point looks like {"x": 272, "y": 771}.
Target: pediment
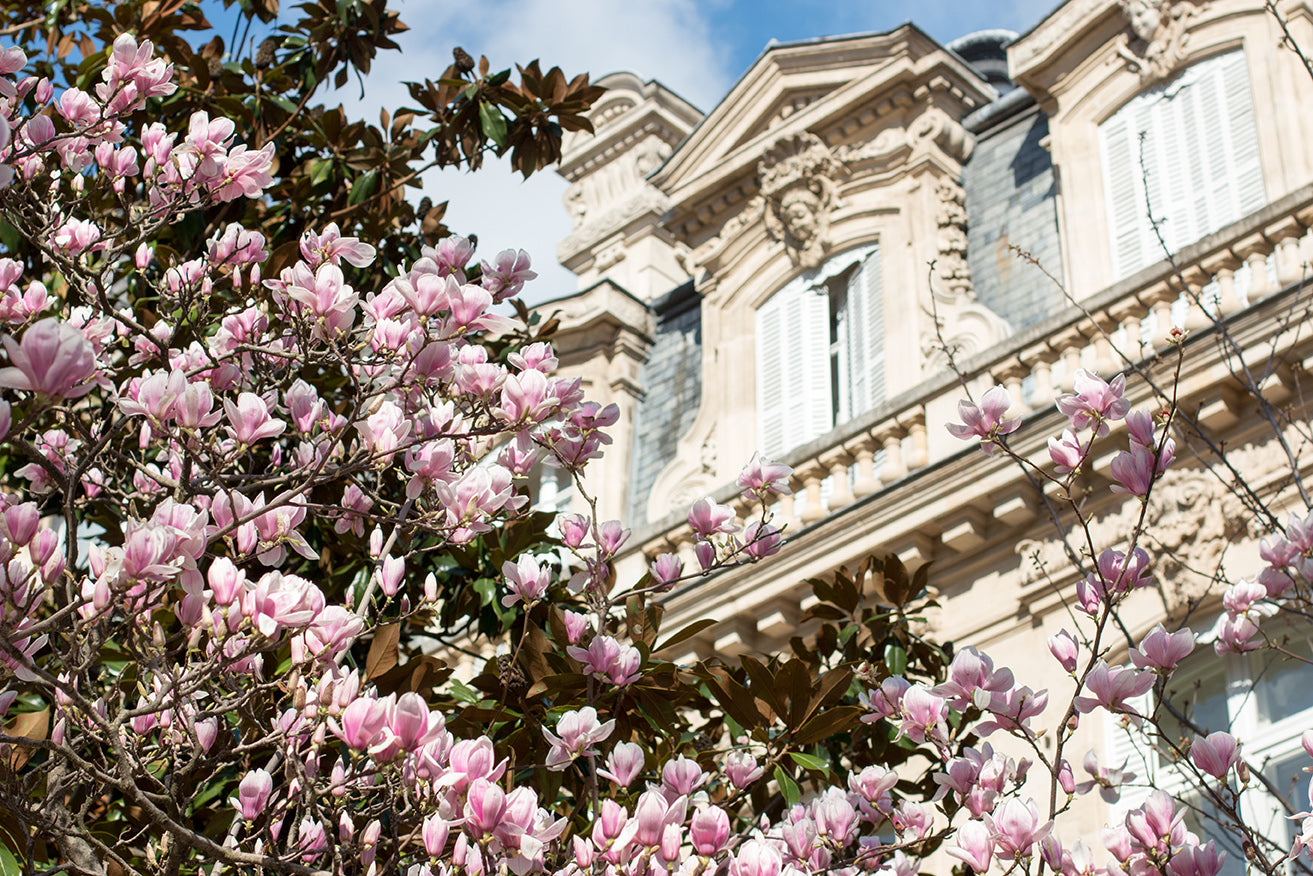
{"x": 844, "y": 90}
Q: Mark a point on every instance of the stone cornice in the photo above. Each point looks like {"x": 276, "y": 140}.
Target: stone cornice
{"x": 1050, "y": 38}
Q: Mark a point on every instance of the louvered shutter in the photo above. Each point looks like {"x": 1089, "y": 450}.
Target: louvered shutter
{"x": 793, "y": 368}
{"x": 1125, "y": 202}
{"x": 1189, "y": 149}
{"x": 872, "y": 288}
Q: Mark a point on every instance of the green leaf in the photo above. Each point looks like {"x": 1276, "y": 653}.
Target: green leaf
{"x": 9, "y": 865}
{"x": 895, "y": 657}
{"x": 827, "y": 723}
{"x": 9, "y": 236}
{"x": 363, "y": 187}
{"x": 788, "y": 787}
{"x": 809, "y": 761}
{"x": 685, "y": 634}
{"x": 463, "y": 692}
{"x": 487, "y": 590}
{"x": 494, "y": 124}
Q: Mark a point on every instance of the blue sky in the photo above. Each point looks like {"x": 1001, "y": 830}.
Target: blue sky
{"x": 698, "y": 48}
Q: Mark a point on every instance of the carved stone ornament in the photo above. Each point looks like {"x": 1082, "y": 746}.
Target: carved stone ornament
{"x": 951, "y": 217}
{"x": 1155, "y": 46}
{"x": 705, "y": 255}
{"x": 797, "y": 177}
{"x": 1192, "y": 520}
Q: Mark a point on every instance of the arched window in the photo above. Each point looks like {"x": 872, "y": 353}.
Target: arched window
{"x": 820, "y": 351}
{"x": 1189, "y": 151}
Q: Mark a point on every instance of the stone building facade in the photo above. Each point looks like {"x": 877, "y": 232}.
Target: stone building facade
{"x": 815, "y": 267}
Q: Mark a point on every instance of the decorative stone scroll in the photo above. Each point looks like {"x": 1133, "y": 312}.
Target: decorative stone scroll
{"x": 1155, "y": 46}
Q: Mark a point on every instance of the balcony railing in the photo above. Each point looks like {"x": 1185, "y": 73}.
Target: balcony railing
{"x": 1230, "y": 273}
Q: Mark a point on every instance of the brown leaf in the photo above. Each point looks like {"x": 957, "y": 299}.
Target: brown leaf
{"x": 29, "y": 725}
{"x": 383, "y": 651}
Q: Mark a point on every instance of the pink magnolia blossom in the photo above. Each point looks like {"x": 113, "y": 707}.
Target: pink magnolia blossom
{"x": 1215, "y": 754}
{"x": 706, "y": 517}
{"x": 666, "y": 569}
{"x": 923, "y": 715}
{"x": 1197, "y": 860}
{"x": 249, "y": 420}
{"x": 1107, "y": 779}
{"x": 526, "y": 579}
{"x": 624, "y": 763}
{"x": 1162, "y": 651}
{"x": 1157, "y": 826}
{"x": 1136, "y": 469}
{"x": 761, "y": 477}
{"x": 1095, "y": 402}
{"x": 680, "y": 777}
{"x": 576, "y": 733}
{"x": 1111, "y": 687}
{"x": 985, "y": 421}
{"x": 654, "y": 812}
{"x": 756, "y": 858}
{"x": 761, "y": 540}
{"x": 972, "y": 679}
{"x": 607, "y": 658}
{"x": 253, "y": 794}
{"x": 507, "y": 274}
{"x": 742, "y": 769}
{"x": 1064, "y": 649}
{"x": 709, "y": 831}
{"x": 975, "y": 846}
{"x": 1067, "y": 452}
{"x": 326, "y": 296}
{"x": 53, "y": 359}
{"x": 331, "y": 247}
{"x": 1015, "y": 827}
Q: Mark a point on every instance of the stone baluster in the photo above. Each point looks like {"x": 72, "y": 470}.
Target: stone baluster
{"x": 1286, "y": 234}
{"x": 1129, "y": 315}
{"x": 1010, "y": 376}
{"x": 1106, "y": 362}
{"x": 1195, "y": 317}
{"x": 814, "y": 509}
{"x": 1041, "y": 367}
{"x": 1160, "y": 300}
{"x": 920, "y": 450}
{"x": 841, "y": 494}
{"x": 1223, "y": 271}
{"x": 1070, "y": 344}
{"x": 867, "y": 482}
{"x": 788, "y": 510}
{"x": 1254, "y": 253}
{"x": 894, "y": 469}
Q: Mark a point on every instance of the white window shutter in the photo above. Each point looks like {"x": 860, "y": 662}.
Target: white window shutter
{"x": 873, "y": 343}
{"x": 771, "y": 365}
{"x": 793, "y": 368}
{"x": 1199, "y": 147}
{"x": 1246, "y": 170}
{"x": 1124, "y": 193}
{"x": 812, "y": 403}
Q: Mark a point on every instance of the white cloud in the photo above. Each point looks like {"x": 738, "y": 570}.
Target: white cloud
{"x": 669, "y": 40}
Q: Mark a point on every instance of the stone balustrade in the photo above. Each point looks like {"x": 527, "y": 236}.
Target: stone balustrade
{"x": 1216, "y": 279}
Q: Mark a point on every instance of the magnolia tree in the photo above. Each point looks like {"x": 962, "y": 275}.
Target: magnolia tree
{"x": 248, "y": 514}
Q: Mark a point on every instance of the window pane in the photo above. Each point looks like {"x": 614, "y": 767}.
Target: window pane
{"x": 1202, "y": 819}
{"x": 1200, "y": 696}
{"x": 1284, "y": 684}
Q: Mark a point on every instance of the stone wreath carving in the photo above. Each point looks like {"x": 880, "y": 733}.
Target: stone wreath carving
{"x": 1156, "y": 45}
{"x": 797, "y": 177}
